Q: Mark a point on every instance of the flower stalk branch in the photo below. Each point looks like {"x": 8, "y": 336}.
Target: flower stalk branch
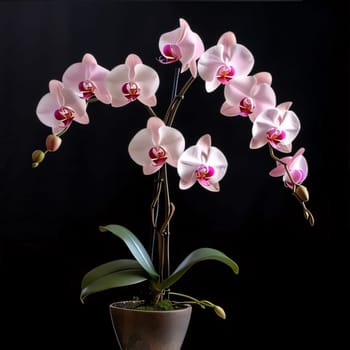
{"x": 202, "y": 303}
{"x": 299, "y": 191}
{"x": 173, "y": 107}
{"x": 163, "y": 234}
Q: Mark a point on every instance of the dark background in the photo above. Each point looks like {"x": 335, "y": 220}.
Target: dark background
{"x": 290, "y": 285}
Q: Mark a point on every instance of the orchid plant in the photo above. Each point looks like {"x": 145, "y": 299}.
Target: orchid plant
{"x": 159, "y": 144}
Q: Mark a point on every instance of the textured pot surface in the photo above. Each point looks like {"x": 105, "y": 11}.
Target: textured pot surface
{"x": 147, "y": 329}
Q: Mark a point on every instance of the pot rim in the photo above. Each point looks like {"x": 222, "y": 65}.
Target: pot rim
{"x": 122, "y": 305}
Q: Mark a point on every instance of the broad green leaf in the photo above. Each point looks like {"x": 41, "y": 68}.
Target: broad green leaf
{"x": 114, "y": 280}
{"x": 108, "y": 268}
{"x": 135, "y": 246}
{"x": 201, "y": 254}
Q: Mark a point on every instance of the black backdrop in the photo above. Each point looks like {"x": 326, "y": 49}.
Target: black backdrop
{"x": 288, "y": 289}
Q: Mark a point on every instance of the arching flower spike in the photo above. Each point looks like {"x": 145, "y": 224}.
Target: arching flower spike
{"x": 183, "y": 45}
{"x": 277, "y": 126}
{"x": 156, "y": 145}
{"x": 261, "y": 96}
{"x": 227, "y": 63}
{"x": 60, "y": 107}
{"x": 202, "y": 163}
{"x": 297, "y": 166}
{"x": 132, "y": 81}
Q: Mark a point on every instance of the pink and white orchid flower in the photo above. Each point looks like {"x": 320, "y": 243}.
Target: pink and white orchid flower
{"x": 156, "y": 145}
{"x": 227, "y": 63}
{"x": 277, "y": 126}
{"x": 183, "y": 45}
{"x": 261, "y": 96}
{"x": 87, "y": 78}
{"x": 60, "y": 107}
{"x": 202, "y": 163}
{"x": 297, "y": 167}
{"x": 132, "y": 81}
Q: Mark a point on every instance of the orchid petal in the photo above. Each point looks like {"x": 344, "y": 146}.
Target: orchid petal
{"x": 55, "y": 87}
{"x": 263, "y": 77}
{"x": 228, "y": 41}
{"x": 229, "y": 110}
{"x": 173, "y": 142}
{"x": 139, "y": 143}
{"x": 132, "y": 61}
{"x": 154, "y": 123}
{"x": 277, "y": 171}
{"x": 238, "y": 88}
{"x": 74, "y": 74}
{"x": 45, "y": 109}
{"x": 148, "y": 82}
{"x": 285, "y": 106}
{"x": 114, "y": 81}
{"x": 242, "y": 60}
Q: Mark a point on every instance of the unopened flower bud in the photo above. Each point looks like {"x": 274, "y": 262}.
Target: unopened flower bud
{"x": 53, "y": 143}
{"x": 220, "y": 311}
{"x": 302, "y": 193}
{"x": 37, "y": 157}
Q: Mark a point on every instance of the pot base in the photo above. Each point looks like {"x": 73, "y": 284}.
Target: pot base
{"x": 147, "y": 329}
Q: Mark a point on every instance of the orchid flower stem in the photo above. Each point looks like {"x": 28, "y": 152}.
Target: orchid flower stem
{"x": 299, "y": 191}
{"x": 192, "y": 300}
{"x": 161, "y": 184}
{"x": 165, "y": 229}
{"x": 151, "y": 111}
{"x": 175, "y": 83}
{"x": 174, "y": 105}
{"x": 155, "y": 211}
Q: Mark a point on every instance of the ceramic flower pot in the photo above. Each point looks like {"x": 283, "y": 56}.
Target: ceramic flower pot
{"x": 147, "y": 329}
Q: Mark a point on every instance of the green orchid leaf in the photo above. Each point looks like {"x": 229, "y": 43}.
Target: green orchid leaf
{"x": 135, "y": 246}
{"x": 201, "y": 254}
{"x": 108, "y": 268}
{"x": 114, "y": 280}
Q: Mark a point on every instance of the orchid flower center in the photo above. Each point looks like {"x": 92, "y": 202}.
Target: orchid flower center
{"x": 87, "y": 88}
{"x": 225, "y": 74}
{"x": 65, "y": 114}
{"x": 158, "y": 155}
{"x": 171, "y": 53}
{"x": 275, "y": 136}
{"x": 131, "y": 91}
{"x": 203, "y": 173}
{"x": 246, "y": 106}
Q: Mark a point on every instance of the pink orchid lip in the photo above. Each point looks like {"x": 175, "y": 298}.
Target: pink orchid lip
{"x": 204, "y": 173}
{"x": 275, "y": 136}
{"x": 171, "y": 54}
{"x": 131, "y": 91}
{"x": 87, "y": 88}
{"x": 225, "y": 74}
{"x": 158, "y": 155}
{"x": 65, "y": 114}
{"x": 246, "y": 106}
